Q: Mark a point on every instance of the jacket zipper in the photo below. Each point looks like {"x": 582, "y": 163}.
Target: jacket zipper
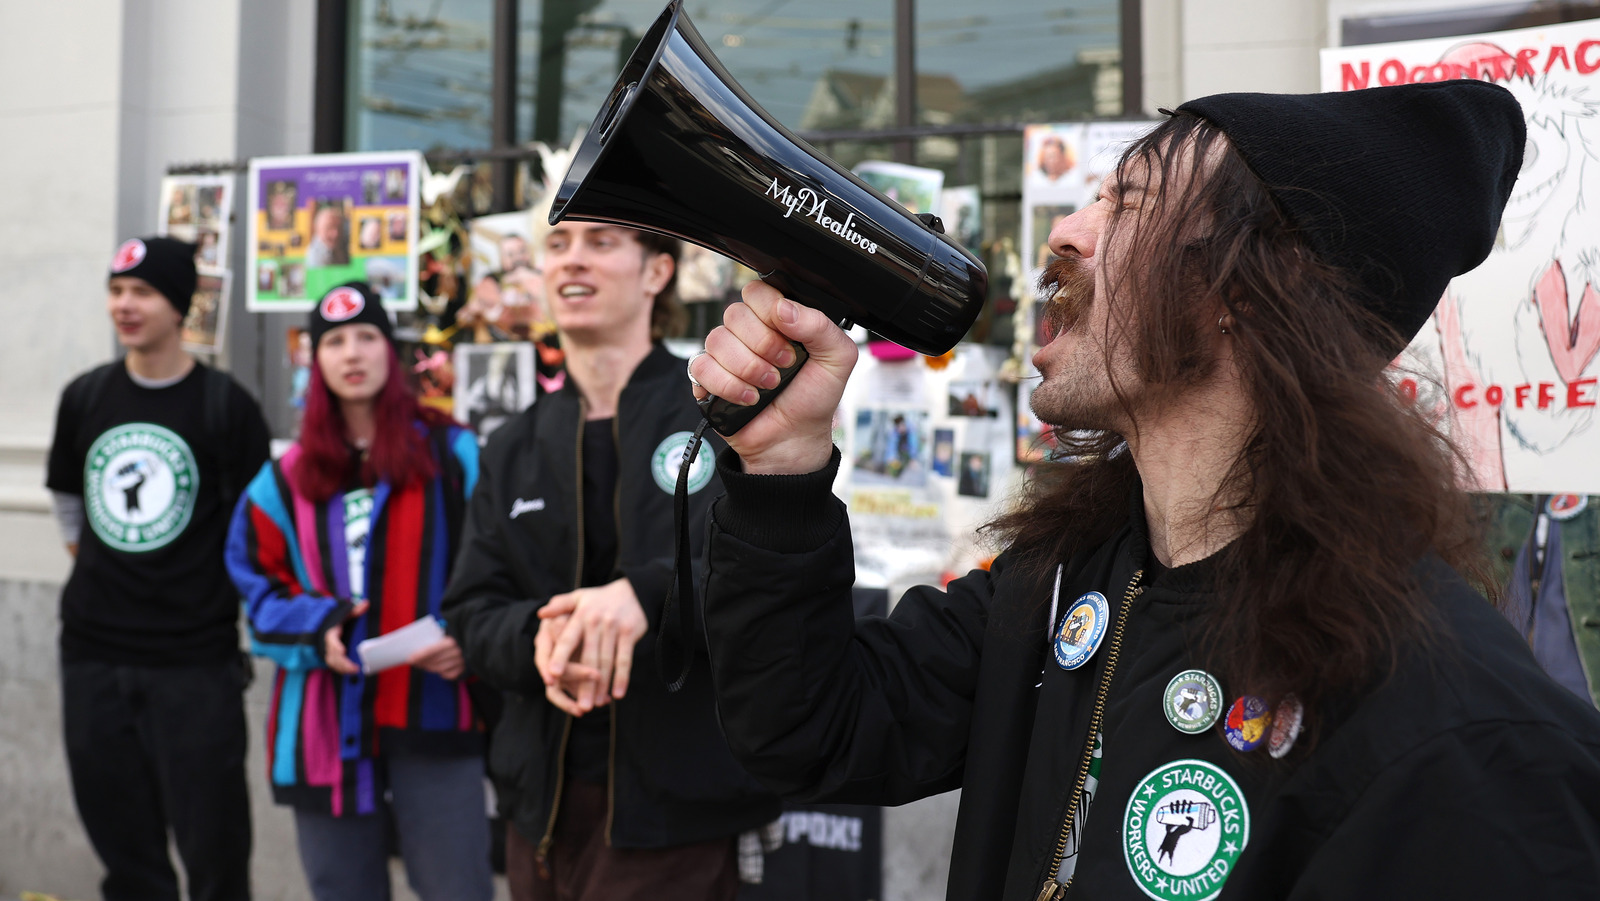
{"x": 549, "y": 838}
{"x": 616, "y": 518}
{"x": 577, "y": 582}
{"x": 1052, "y": 889}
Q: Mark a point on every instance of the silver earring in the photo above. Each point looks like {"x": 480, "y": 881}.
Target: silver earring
{"x": 1222, "y": 323}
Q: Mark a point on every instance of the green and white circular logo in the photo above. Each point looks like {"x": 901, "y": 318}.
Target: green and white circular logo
{"x": 140, "y": 482}
{"x": 1192, "y": 701}
{"x": 668, "y": 459}
{"x": 1185, "y": 827}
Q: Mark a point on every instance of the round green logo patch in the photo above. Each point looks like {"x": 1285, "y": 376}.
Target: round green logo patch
{"x": 668, "y": 459}
{"x": 1185, "y": 827}
{"x": 139, "y": 486}
{"x": 1192, "y": 701}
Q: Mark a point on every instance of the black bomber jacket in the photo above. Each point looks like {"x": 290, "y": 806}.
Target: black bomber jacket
{"x": 1465, "y": 773}
{"x": 672, "y": 779}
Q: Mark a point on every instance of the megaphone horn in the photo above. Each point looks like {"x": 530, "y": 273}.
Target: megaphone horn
{"x": 679, "y": 148}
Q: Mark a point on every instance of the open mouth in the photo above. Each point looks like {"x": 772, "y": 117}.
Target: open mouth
{"x": 1069, "y": 286}
{"x": 1062, "y": 312}
{"x": 570, "y": 291}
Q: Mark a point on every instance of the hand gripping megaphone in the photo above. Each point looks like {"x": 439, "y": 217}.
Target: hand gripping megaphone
{"x": 679, "y": 148}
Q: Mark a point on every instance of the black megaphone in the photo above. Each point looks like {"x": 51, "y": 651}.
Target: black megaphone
{"x": 679, "y": 148}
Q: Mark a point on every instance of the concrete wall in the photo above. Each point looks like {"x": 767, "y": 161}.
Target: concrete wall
{"x": 60, "y": 114}
{"x": 97, "y": 98}
{"x": 42, "y": 845}
{"x": 1251, "y": 45}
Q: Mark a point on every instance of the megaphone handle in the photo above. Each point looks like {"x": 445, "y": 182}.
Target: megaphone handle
{"x": 728, "y": 417}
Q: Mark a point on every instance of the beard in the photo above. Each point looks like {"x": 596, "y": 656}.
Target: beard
{"x": 1076, "y": 393}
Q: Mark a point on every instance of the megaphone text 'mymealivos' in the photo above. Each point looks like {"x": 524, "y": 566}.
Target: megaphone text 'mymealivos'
{"x": 680, "y": 148}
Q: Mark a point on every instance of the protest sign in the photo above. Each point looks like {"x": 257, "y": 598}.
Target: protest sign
{"x": 199, "y": 209}
{"x": 207, "y": 320}
{"x": 1063, "y": 165}
{"x": 320, "y": 221}
{"x": 914, "y": 187}
{"x": 1510, "y": 354}
{"x": 493, "y": 383}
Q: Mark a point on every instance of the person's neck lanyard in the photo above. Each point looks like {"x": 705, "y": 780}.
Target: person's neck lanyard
{"x": 1540, "y": 540}
{"x": 674, "y": 641}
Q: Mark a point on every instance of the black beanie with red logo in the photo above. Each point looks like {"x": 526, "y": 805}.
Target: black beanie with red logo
{"x": 167, "y": 264}
{"x": 348, "y": 304}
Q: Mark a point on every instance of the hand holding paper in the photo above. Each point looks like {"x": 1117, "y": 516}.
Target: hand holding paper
{"x": 397, "y": 647}
{"x": 442, "y": 658}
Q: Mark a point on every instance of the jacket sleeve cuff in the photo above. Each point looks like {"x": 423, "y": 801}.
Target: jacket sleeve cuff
{"x": 335, "y": 617}
{"x": 788, "y": 514}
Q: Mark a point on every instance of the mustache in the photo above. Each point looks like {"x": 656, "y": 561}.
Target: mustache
{"x": 1067, "y": 288}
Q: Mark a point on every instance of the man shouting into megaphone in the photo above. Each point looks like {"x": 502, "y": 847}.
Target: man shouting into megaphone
{"x": 1297, "y": 692}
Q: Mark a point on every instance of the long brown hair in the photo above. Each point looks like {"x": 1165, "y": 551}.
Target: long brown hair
{"x": 1342, "y": 483}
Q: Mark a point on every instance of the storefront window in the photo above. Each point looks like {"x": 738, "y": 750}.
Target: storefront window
{"x": 1026, "y": 61}
{"x": 419, "y": 74}
{"x": 1019, "y": 61}
{"x": 817, "y": 64}
{"x": 420, "y": 70}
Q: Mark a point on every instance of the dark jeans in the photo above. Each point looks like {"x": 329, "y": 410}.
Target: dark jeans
{"x": 582, "y": 866}
{"x": 152, "y": 748}
{"x": 438, "y": 810}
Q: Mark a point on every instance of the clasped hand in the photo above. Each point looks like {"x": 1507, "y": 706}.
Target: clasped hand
{"x": 584, "y": 647}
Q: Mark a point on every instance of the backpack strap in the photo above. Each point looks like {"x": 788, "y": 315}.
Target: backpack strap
{"x": 217, "y": 387}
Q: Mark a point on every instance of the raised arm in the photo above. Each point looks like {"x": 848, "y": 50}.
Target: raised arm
{"x": 814, "y": 703}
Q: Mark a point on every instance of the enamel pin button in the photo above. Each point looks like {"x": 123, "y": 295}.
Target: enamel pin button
{"x": 1286, "y": 723}
{"x": 1563, "y": 507}
{"x": 1248, "y": 721}
{"x": 1082, "y": 629}
{"x": 1192, "y": 701}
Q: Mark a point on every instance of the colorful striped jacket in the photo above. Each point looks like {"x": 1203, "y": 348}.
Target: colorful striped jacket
{"x": 287, "y": 555}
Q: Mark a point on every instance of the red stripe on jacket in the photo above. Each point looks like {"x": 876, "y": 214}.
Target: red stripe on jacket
{"x": 404, "y": 515}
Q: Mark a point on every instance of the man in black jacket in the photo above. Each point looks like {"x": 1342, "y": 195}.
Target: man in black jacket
{"x": 614, "y": 787}
{"x": 1229, "y": 653}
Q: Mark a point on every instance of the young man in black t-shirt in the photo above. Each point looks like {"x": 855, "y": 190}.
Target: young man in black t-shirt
{"x": 150, "y": 453}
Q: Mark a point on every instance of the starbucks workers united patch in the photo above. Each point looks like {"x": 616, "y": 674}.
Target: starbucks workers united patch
{"x": 140, "y": 482}
{"x": 668, "y": 459}
{"x": 1185, "y": 826}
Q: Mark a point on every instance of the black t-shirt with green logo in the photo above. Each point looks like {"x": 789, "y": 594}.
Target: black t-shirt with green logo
{"x": 148, "y": 586}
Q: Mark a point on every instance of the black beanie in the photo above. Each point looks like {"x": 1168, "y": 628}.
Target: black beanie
{"x": 1401, "y": 187}
{"x": 348, "y": 304}
{"x": 166, "y": 263}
